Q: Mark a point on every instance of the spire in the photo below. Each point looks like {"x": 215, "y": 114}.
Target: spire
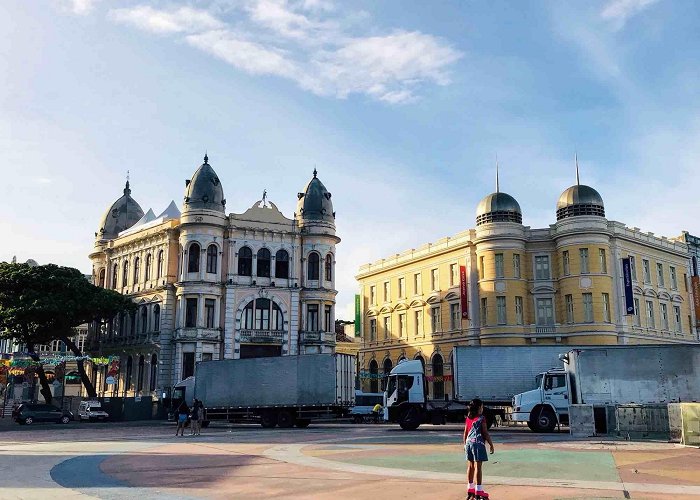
{"x": 498, "y": 186}
{"x": 578, "y": 182}
{"x": 315, "y": 172}
{"x": 127, "y": 190}
{"x": 206, "y": 158}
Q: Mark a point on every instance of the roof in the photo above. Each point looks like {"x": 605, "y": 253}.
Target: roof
{"x": 204, "y": 190}
{"x": 120, "y": 216}
{"x": 315, "y": 202}
{"x": 498, "y": 207}
{"x": 580, "y": 199}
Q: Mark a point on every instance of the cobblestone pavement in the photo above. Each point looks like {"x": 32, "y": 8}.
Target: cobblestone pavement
{"x": 147, "y": 461}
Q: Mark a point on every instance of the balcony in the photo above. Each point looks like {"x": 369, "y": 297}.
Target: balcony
{"x": 191, "y": 333}
{"x": 262, "y": 336}
{"x": 543, "y": 329}
{"x": 306, "y": 338}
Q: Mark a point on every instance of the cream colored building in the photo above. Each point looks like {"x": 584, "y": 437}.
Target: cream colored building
{"x": 557, "y": 285}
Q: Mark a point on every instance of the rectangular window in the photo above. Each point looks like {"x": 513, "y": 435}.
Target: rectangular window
{"x": 588, "y": 307}
{"x": 647, "y": 271}
{"x": 566, "y": 263}
{"x": 542, "y": 267}
{"x": 327, "y": 320}
{"x": 402, "y": 288}
{"x": 685, "y": 281}
{"x": 499, "y": 266}
{"x": 674, "y": 277}
{"x": 637, "y": 318}
{"x": 387, "y": 292}
{"x": 262, "y": 316}
{"x": 207, "y": 356}
{"x": 569, "y": 299}
{"x": 606, "y": 307}
{"x": 372, "y": 330}
{"x": 190, "y": 313}
{"x": 633, "y": 268}
{"x": 417, "y": 289}
{"x": 603, "y": 261}
{"x": 454, "y": 277}
{"x": 312, "y": 318}
{"x": 484, "y": 311}
{"x": 209, "y": 305}
{"x": 187, "y": 364}
{"x": 434, "y": 280}
{"x": 677, "y": 317}
{"x": 387, "y": 327}
{"x": 518, "y": 310}
{"x": 482, "y": 270}
{"x": 516, "y": 265}
{"x": 402, "y": 325}
{"x": 664, "y": 317}
{"x": 419, "y": 322}
{"x": 545, "y": 312}
{"x": 435, "y": 319}
{"x": 583, "y": 254}
{"x": 373, "y": 295}
{"x": 501, "y": 310}
{"x": 660, "y": 273}
{"x": 651, "y": 323}
{"x": 455, "y": 322}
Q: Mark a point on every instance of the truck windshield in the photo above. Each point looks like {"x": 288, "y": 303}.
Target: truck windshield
{"x": 179, "y": 393}
{"x": 538, "y": 380}
{"x": 391, "y": 385}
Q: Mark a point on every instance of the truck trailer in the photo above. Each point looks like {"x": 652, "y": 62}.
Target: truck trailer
{"x": 611, "y": 376}
{"x": 287, "y": 391}
{"x": 493, "y": 374}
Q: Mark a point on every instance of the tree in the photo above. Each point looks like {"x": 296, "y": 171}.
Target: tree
{"x": 44, "y": 303}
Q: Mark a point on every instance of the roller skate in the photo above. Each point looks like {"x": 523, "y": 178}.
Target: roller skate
{"x": 481, "y": 495}
{"x": 471, "y": 494}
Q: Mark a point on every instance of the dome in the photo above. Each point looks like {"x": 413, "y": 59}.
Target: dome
{"x": 204, "y": 190}
{"x": 580, "y": 200}
{"x": 498, "y": 207}
{"x": 315, "y": 202}
{"x": 123, "y": 214}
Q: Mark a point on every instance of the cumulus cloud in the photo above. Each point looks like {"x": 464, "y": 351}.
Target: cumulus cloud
{"x": 79, "y": 7}
{"x": 618, "y": 11}
{"x": 307, "y": 43}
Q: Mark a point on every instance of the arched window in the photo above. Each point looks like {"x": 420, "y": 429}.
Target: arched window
{"x": 149, "y": 259}
{"x": 139, "y": 383}
{"x": 263, "y": 263}
{"x": 329, "y": 267}
{"x": 144, "y": 319}
{"x": 245, "y": 262}
{"x": 154, "y": 372}
{"x": 156, "y": 318}
{"x": 312, "y": 268}
{"x": 438, "y": 380}
{"x": 137, "y": 268}
{"x": 129, "y": 370}
{"x": 387, "y": 370}
{"x": 125, "y": 273}
{"x": 132, "y": 324}
{"x": 212, "y": 254}
{"x": 115, "y": 274}
{"x": 262, "y": 314}
{"x": 193, "y": 258}
{"x": 160, "y": 264}
{"x": 282, "y": 264}
{"x": 373, "y": 376}
{"x": 101, "y": 279}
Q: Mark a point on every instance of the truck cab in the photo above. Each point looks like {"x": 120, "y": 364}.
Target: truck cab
{"x": 547, "y": 405}
{"x": 405, "y": 395}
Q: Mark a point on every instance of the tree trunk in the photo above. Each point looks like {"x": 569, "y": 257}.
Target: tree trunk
{"x": 45, "y": 389}
{"x": 87, "y": 383}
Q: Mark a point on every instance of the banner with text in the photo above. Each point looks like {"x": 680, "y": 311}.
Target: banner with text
{"x": 629, "y": 294}
{"x": 463, "y": 292}
{"x": 695, "y": 285}
{"x": 358, "y": 316}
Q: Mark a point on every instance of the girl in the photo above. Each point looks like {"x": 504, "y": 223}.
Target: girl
{"x": 475, "y": 433}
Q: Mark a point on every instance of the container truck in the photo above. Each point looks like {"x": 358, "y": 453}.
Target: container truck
{"x": 284, "y": 391}
{"x": 611, "y": 376}
{"x": 493, "y": 374}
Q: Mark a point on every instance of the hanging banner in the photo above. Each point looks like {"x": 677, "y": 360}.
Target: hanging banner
{"x": 695, "y": 286}
{"x": 463, "y": 292}
{"x": 629, "y": 294}
{"x": 358, "y": 316}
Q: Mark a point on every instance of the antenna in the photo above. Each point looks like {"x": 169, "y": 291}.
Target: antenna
{"x": 578, "y": 182}
{"x": 498, "y": 186}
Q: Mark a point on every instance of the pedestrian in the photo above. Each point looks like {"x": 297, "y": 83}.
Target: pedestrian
{"x": 196, "y": 417}
{"x": 376, "y": 412}
{"x": 475, "y": 434}
{"x": 182, "y": 413}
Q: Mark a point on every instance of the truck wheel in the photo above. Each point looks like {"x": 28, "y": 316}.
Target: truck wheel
{"x": 543, "y": 419}
{"x": 357, "y": 419}
{"x": 303, "y": 423}
{"x": 410, "y": 420}
{"x": 285, "y": 419}
{"x": 268, "y": 420}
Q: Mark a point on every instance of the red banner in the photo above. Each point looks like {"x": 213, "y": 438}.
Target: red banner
{"x": 463, "y": 291}
{"x": 695, "y": 286}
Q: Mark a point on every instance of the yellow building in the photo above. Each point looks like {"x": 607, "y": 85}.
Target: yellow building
{"x": 557, "y": 285}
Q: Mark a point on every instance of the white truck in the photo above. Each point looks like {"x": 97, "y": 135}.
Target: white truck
{"x": 284, "y": 391}
{"x": 493, "y": 374}
{"x": 609, "y": 376}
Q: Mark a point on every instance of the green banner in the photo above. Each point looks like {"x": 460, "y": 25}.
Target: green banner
{"x": 358, "y": 316}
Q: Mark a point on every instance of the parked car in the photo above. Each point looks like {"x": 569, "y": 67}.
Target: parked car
{"x": 92, "y": 410}
{"x": 29, "y": 413}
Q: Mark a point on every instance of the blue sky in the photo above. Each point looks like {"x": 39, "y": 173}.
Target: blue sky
{"x": 402, "y": 106}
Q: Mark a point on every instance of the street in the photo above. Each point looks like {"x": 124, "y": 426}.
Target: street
{"x": 328, "y": 461}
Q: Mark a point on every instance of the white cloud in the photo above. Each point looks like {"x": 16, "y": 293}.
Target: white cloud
{"x": 182, "y": 20}
{"x": 305, "y": 42}
{"x": 42, "y": 180}
{"x": 80, "y": 7}
{"x": 618, "y": 11}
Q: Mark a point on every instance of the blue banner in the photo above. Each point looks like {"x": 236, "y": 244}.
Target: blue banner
{"x": 629, "y": 294}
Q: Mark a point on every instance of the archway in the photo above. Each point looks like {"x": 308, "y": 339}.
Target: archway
{"x": 438, "y": 380}
{"x": 373, "y": 376}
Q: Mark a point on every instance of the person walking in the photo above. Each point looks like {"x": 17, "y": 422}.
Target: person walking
{"x": 476, "y": 433}
{"x": 196, "y": 417}
{"x": 182, "y": 412}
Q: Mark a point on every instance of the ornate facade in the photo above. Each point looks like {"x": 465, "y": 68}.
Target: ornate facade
{"x": 213, "y": 286}
{"x": 556, "y": 285}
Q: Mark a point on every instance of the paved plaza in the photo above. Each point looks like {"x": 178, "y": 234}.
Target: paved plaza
{"x": 328, "y": 461}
